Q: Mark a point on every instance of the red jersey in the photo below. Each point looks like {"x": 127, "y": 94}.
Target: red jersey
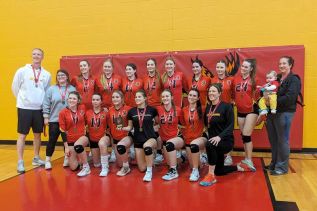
{"x": 201, "y": 85}
{"x": 97, "y": 124}
{"x": 129, "y": 89}
{"x": 176, "y": 83}
{"x": 86, "y": 89}
{"x": 168, "y": 121}
{"x": 226, "y": 95}
{"x": 153, "y": 88}
{"x": 244, "y": 96}
{"x": 106, "y": 86}
{"x": 72, "y": 123}
{"x": 193, "y": 126}
{"x": 112, "y": 117}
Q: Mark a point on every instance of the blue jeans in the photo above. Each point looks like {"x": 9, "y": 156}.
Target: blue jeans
{"x": 278, "y": 128}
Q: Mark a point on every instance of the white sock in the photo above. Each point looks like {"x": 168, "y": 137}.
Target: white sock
{"x": 195, "y": 169}
{"x": 125, "y": 164}
{"x": 86, "y": 165}
{"x": 149, "y": 168}
{"x": 104, "y": 160}
{"x": 48, "y": 158}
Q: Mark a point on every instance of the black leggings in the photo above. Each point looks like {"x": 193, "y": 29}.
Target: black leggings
{"x": 54, "y": 132}
{"x": 216, "y": 157}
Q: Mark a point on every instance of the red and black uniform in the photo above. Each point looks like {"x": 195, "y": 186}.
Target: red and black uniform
{"x": 201, "y": 85}
{"x": 112, "y": 117}
{"x": 227, "y": 82}
{"x": 129, "y": 89}
{"x": 169, "y": 121}
{"x": 72, "y": 123}
{"x": 143, "y": 122}
{"x": 244, "y": 96}
{"x": 106, "y": 86}
{"x": 193, "y": 126}
{"x": 176, "y": 83}
{"x": 153, "y": 88}
{"x": 86, "y": 88}
{"x": 97, "y": 124}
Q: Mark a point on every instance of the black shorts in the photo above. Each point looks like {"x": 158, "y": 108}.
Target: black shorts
{"x": 70, "y": 144}
{"x": 93, "y": 144}
{"x": 255, "y": 111}
{"x": 138, "y": 145}
{"x": 30, "y": 119}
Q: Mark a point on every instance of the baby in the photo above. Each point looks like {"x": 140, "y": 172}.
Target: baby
{"x": 269, "y": 89}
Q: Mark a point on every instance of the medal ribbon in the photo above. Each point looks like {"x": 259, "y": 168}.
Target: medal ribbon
{"x": 212, "y": 111}
{"x": 63, "y": 94}
{"x": 141, "y": 117}
{"x": 36, "y": 77}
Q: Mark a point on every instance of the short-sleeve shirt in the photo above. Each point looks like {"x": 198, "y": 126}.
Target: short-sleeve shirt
{"x": 97, "y": 124}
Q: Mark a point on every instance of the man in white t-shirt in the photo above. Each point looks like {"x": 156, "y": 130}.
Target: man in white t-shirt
{"x": 29, "y": 85}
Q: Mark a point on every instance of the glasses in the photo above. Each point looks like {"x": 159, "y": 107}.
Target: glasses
{"x": 61, "y": 75}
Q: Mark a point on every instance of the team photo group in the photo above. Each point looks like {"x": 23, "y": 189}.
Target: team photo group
{"x": 145, "y": 119}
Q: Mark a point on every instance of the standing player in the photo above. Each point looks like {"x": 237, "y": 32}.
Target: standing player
{"x": 55, "y": 100}
{"x": 131, "y": 84}
{"x": 29, "y": 85}
{"x": 96, "y": 122}
{"x": 245, "y": 97}
{"x": 174, "y": 81}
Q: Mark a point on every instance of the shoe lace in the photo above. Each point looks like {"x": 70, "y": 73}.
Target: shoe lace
{"x": 208, "y": 178}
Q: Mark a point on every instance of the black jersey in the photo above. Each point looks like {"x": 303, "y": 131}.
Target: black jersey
{"x": 144, "y": 133}
{"x": 221, "y": 121}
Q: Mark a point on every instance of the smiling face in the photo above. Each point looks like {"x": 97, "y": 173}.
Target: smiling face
{"x": 213, "y": 94}
{"x": 117, "y": 99}
{"x": 37, "y": 56}
{"x": 246, "y": 69}
{"x": 130, "y": 72}
{"x": 150, "y": 66}
{"x": 139, "y": 98}
{"x": 284, "y": 66}
{"x": 84, "y": 67}
{"x": 220, "y": 68}
{"x": 196, "y": 68}
{"x": 107, "y": 68}
{"x": 72, "y": 100}
{"x": 193, "y": 97}
{"x": 270, "y": 78}
{"x": 170, "y": 67}
{"x": 166, "y": 98}
{"x": 61, "y": 78}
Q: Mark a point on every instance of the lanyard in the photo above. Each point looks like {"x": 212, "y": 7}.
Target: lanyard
{"x": 191, "y": 116}
{"x": 141, "y": 117}
{"x": 105, "y": 83}
{"x": 212, "y": 111}
{"x": 36, "y": 77}
{"x": 86, "y": 84}
{"x": 96, "y": 120}
{"x": 166, "y": 117}
{"x": 63, "y": 94}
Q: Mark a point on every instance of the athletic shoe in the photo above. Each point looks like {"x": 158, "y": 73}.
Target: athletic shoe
{"x": 178, "y": 154}
{"x": 158, "y": 159}
{"x": 228, "y": 160}
{"x": 66, "y": 162}
{"x": 269, "y": 168}
{"x": 277, "y": 172}
{"x": 104, "y": 171}
{"x": 37, "y": 162}
{"x": 194, "y": 176}
{"x": 244, "y": 167}
{"x": 148, "y": 176}
{"x": 263, "y": 112}
{"x": 170, "y": 175}
{"x": 112, "y": 157}
{"x": 249, "y": 164}
{"x": 84, "y": 172}
{"x": 203, "y": 158}
{"x": 48, "y": 165}
{"x": 208, "y": 180}
{"x": 20, "y": 168}
{"x": 123, "y": 171}
{"x": 273, "y": 111}
{"x": 97, "y": 165}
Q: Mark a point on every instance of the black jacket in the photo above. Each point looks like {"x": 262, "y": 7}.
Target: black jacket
{"x": 287, "y": 93}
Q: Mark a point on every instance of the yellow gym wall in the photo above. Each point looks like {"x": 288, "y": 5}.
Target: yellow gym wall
{"x": 120, "y": 26}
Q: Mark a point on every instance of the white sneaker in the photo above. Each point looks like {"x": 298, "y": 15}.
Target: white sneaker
{"x": 123, "y": 171}
{"x": 228, "y": 160}
{"x": 203, "y": 158}
{"x": 104, "y": 171}
{"x": 170, "y": 175}
{"x": 148, "y": 176}
{"x": 84, "y": 172}
{"x": 20, "y": 168}
{"x": 194, "y": 176}
{"x": 158, "y": 159}
{"x": 48, "y": 165}
{"x": 273, "y": 111}
{"x": 112, "y": 157}
{"x": 38, "y": 162}
{"x": 249, "y": 164}
{"x": 66, "y": 162}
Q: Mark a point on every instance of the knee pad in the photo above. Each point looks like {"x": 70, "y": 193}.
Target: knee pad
{"x": 121, "y": 149}
{"x": 246, "y": 139}
{"x": 79, "y": 148}
{"x": 170, "y": 147}
{"x": 148, "y": 151}
{"x": 194, "y": 148}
